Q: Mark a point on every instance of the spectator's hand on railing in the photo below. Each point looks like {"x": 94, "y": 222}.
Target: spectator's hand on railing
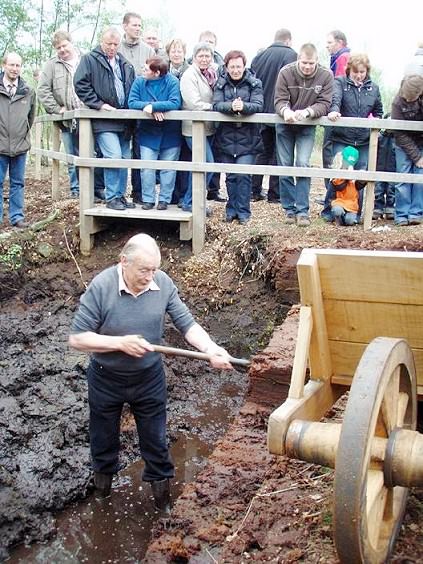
{"x": 158, "y": 116}
{"x": 107, "y": 107}
{"x": 289, "y": 116}
{"x": 333, "y": 116}
{"x": 148, "y": 109}
{"x": 237, "y": 105}
{"x": 301, "y": 114}
{"x": 419, "y": 163}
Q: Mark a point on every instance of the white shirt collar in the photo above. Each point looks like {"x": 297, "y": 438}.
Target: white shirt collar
{"x": 124, "y": 288}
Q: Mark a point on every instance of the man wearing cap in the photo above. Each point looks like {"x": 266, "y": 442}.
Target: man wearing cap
{"x": 17, "y": 113}
{"x": 303, "y": 91}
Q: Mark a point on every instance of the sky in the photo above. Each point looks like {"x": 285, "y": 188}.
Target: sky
{"x": 389, "y": 36}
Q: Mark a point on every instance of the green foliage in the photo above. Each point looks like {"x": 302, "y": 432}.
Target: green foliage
{"x": 12, "y": 257}
{"x": 15, "y": 21}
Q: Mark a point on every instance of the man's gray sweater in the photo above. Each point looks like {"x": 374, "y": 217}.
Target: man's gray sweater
{"x": 105, "y": 311}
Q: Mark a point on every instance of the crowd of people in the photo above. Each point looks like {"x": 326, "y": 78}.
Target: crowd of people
{"x": 132, "y": 70}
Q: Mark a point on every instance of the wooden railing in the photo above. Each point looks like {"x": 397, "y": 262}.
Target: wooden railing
{"x": 86, "y": 161}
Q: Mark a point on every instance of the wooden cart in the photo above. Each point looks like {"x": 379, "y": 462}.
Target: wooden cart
{"x": 361, "y": 328}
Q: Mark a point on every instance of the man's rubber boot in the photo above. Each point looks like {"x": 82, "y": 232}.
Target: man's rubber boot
{"x": 161, "y": 494}
{"x": 103, "y": 484}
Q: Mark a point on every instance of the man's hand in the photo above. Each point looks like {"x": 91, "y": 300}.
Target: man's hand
{"x": 134, "y": 345}
{"x": 220, "y": 359}
{"x": 419, "y": 163}
{"x": 301, "y": 114}
{"x": 289, "y": 116}
{"x": 107, "y": 107}
{"x": 333, "y": 116}
{"x": 237, "y": 105}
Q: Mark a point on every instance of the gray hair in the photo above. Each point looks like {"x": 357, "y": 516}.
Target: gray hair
{"x": 140, "y": 243}
{"x": 202, "y": 46}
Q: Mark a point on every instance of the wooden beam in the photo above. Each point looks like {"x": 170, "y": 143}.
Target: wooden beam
{"x": 38, "y": 140}
{"x": 299, "y": 368}
{"x": 55, "y": 165}
{"x": 198, "y": 188}
{"x": 311, "y": 295}
{"x": 87, "y": 226}
{"x": 369, "y": 198}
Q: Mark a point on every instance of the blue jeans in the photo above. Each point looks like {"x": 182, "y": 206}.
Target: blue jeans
{"x": 167, "y": 177}
{"x": 361, "y": 164}
{"x": 70, "y": 143}
{"x": 114, "y": 146}
{"x": 346, "y": 217}
{"x": 16, "y": 166}
{"x": 187, "y": 201}
{"x": 298, "y": 140}
{"x": 145, "y": 392}
{"x": 238, "y": 187}
{"x": 408, "y": 197}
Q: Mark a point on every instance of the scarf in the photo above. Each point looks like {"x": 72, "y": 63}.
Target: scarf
{"x": 210, "y": 75}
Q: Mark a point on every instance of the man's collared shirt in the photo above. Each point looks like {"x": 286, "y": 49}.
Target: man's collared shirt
{"x": 124, "y": 288}
{"x": 10, "y": 86}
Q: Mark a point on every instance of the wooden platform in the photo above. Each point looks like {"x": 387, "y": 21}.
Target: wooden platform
{"x": 173, "y": 213}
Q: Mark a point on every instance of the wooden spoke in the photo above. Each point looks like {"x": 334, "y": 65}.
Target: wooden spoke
{"x": 382, "y": 397}
{"x": 390, "y": 401}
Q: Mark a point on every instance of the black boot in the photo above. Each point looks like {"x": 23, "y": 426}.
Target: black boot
{"x": 161, "y": 494}
{"x": 103, "y": 484}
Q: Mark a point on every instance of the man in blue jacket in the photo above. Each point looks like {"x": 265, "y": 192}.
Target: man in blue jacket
{"x": 102, "y": 82}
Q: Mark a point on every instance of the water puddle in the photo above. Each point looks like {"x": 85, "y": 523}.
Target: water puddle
{"x": 117, "y": 529}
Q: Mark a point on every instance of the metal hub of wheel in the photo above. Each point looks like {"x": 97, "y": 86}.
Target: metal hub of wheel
{"x": 382, "y": 399}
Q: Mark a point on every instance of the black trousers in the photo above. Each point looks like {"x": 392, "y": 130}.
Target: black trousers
{"x": 146, "y": 395}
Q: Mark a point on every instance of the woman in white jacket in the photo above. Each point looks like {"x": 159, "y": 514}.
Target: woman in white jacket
{"x": 197, "y": 85}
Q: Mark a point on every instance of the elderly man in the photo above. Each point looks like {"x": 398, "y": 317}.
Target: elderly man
{"x": 303, "y": 90}
{"x": 57, "y": 95}
{"x": 17, "y": 113}
{"x": 102, "y": 82}
{"x": 122, "y": 303}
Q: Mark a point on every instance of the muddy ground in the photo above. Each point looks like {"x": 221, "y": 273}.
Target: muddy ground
{"x": 245, "y": 505}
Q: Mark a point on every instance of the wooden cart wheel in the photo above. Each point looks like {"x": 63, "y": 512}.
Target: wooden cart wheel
{"x": 382, "y": 397}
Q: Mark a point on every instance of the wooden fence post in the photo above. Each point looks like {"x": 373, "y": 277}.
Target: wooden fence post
{"x": 198, "y": 188}
{"x": 86, "y": 186}
{"x": 55, "y": 165}
{"x": 38, "y": 137}
{"x": 370, "y": 187}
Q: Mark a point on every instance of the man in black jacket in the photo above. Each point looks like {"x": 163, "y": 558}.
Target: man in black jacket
{"x": 267, "y": 65}
{"x": 102, "y": 81}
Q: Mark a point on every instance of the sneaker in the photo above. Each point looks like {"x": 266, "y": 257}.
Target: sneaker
{"x": 389, "y": 215}
{"x": 377, "y": 214}
{"x": 244, "y": 220}
{"x": 215, "y": 197}
{"x": 162, "y": 206}
{"x": 289, "y": 219}
{"x": 115, "y": 204}
{"x": 137, "y": 200}
{"x": 148, "y": 206}
{"x": 401, "y": 223}
{"x": 186, "y": 208}
{"x": 258, "y": 197}
{"x": 303, "y": 221}
{"x": 229, "y": 219}
{"x": 127, "y": 204}
{"x": 415, "y": 221}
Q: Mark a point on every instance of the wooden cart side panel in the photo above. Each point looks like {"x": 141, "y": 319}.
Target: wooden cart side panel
{"x": 311, "y": 295}
{"x": 386, "y": 277}
{"x": 361, "y": 322}
{"x": 345, "y": 357}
